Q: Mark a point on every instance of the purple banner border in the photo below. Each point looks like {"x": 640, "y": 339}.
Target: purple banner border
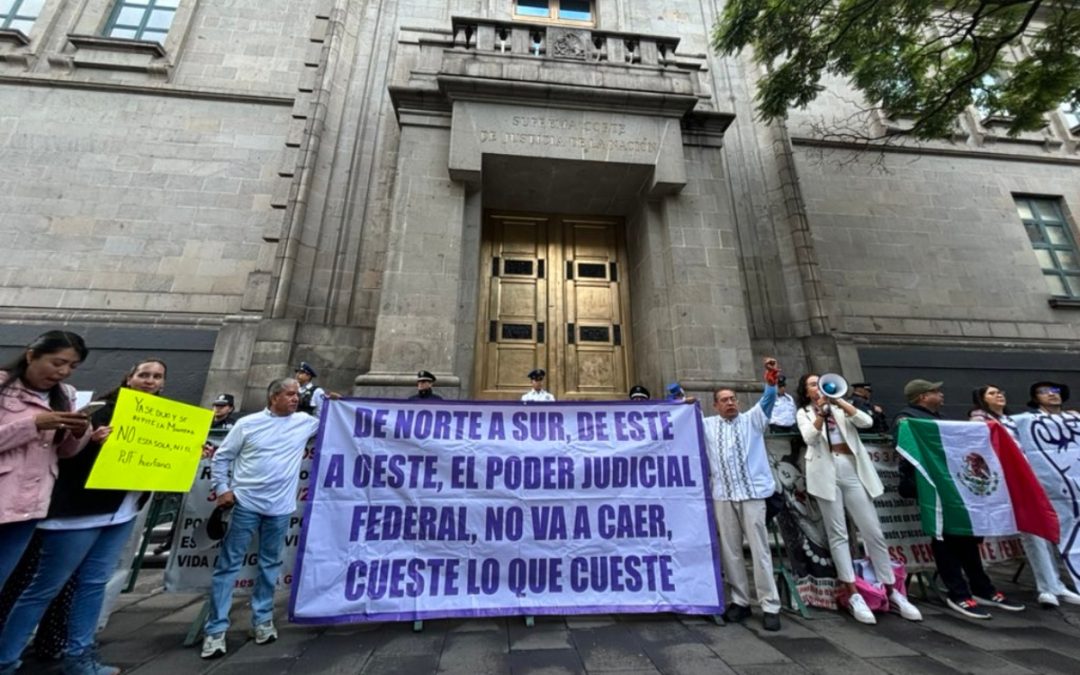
{"x": 504, "y": 611}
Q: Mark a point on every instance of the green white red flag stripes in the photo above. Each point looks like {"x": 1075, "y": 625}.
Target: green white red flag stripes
{"x": 973, "y": 479}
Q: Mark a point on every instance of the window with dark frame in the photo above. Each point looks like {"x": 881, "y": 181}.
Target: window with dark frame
{"x": 1054, "y": 244}
{"x": 20, "y": 15}
{"x": 141, "y": 20}
{"x": 579, "y": 12}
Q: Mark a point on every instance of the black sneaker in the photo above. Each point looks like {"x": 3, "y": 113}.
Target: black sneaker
{"x": 968, "y": 607}
{"x": 1001, "y": 602}
{"x": 736, "y": 614}
{"x": 770, "y": 621}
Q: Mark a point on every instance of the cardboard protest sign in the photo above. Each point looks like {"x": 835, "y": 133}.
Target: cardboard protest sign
{"x": 155, "y": 444}
{"x": 492, "y": 509}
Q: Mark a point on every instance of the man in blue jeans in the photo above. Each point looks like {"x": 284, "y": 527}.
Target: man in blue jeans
{"x": 263, "y": 452}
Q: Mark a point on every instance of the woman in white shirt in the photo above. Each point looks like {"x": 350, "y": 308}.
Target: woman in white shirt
{"x": 842, "y": 479}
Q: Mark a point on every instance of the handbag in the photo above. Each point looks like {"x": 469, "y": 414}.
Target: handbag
{"x": 873, "y": 591}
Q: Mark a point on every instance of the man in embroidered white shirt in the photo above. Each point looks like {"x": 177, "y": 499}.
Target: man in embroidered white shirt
{"x": 741, "y": 479}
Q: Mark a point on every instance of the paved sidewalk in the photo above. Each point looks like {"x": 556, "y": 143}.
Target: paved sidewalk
{"x": 145, "y": 637}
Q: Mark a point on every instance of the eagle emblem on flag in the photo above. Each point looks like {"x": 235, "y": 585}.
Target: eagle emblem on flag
{"x": 977, "y": 475}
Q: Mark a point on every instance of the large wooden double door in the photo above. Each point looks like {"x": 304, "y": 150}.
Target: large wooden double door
{"x": 553, "y": 295}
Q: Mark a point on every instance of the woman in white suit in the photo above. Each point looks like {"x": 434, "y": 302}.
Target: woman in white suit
{"x": 841, "y": 477}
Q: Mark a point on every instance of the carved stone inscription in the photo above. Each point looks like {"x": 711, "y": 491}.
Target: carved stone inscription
{"x": 566, "y": 132}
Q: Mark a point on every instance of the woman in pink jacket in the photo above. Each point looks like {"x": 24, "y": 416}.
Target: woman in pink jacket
{"x": 38, "y": 424}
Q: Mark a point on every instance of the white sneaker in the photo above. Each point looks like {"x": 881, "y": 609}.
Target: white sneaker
{"x": 1070, "y": 597}
{"x": 1050, "y": 600}
{"x": 899, "y": 603}
{"x": 859, "y": 610}
{"x": 265, "y": 633}
{"x": 213, "y": 646}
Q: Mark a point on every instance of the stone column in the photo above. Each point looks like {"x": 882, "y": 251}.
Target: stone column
{"x": 419, "y": 309}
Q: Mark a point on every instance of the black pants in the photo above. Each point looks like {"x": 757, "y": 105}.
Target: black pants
{"x": 955, "y": 556}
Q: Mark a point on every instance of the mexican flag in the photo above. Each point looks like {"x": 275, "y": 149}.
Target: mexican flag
{"x": 973, "y": 479}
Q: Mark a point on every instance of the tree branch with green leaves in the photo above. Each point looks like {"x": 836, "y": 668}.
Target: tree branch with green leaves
{"x": 918, "y": 60}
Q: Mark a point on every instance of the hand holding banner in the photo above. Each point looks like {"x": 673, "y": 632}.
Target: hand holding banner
{"x": 155, "y": 444}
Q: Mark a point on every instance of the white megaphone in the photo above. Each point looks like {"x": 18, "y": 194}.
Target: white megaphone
{"x": 832, "y": 385}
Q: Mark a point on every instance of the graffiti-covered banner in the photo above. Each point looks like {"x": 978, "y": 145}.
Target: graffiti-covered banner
{"x": 422, "y": 510}
{"x": 1052, "y": 445}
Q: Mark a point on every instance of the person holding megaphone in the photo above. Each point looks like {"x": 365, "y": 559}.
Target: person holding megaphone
{"x": 842, "y": 479}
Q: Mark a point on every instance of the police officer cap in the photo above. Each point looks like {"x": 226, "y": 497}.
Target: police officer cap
{"x": 424, "y": 376}
{"x": 537, "y": 374}
{"x": 861, "y": 385}
{"x": 224, "y": 399}
{"x": 639, "y": 393}
{"x": 306, "y": 367}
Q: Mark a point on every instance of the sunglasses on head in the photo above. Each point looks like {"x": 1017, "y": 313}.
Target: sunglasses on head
{"x": 1048, "y": 390}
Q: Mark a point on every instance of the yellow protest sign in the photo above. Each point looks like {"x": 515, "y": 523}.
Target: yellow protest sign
{"x": 155, "y": 444}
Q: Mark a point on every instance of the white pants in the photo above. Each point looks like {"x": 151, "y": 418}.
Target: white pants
{"x": 1043, "y": 556}
{"x": 851, "y": 497}
{"x": 734, "y": 520}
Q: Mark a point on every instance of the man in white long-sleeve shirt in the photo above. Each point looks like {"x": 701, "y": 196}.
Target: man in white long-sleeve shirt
{"x": 263, "y": 451}
{"x": 741, "y": 479}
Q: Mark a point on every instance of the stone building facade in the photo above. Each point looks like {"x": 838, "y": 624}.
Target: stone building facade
{"x": 470, "y": 188}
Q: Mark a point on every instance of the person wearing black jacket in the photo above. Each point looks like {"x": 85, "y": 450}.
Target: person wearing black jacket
{"x": 954, "y": 555}
{"x": 82, "y": 539}
{"x": 424, "y": 391}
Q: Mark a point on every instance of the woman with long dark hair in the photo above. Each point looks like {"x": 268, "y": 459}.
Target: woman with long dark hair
{"x": 82, "y": 538}
{"x": 38, "y": 424}
{"x": 842, "y": 479}
{"x": 990, "y": 405}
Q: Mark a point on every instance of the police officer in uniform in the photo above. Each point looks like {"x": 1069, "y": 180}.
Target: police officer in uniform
{"x": 424, "y": 383}
{"x": 537, "y": 394}
{"x": 224, "y": 407}
{"x": 639, "y": 393}
{"x": 311, "y": 396}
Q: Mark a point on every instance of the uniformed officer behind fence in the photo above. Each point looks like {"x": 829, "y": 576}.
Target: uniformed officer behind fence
{"x": 311, "y": 396}
{"x": 425, "y": 382}
{"x": 537, "y": 394}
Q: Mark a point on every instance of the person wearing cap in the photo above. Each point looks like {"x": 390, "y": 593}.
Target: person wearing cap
{"x": 1048, "y": 397}
{"x": 224, "y": 417}
{"x": 955, "y": 556}
{"x": 424, "y": 391}
{"x": 676, "y": 394}
{"x": 537, "y": 394}
{"x": 256, "y": 471}
{"x": 741, "y": 479}
{"x": 861, "y": 393}
{"x": 782, "y": 420}
{"x": 639, "y": 393}
{"x": 311, "y": 396}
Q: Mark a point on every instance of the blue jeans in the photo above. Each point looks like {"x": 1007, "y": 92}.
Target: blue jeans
{"x": 242, "y": 527}
{"x": 13, "y": 540}
{"x": 91, "y": 556}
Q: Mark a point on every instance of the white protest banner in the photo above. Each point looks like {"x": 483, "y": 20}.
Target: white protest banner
{"x": 1052, "y": 445}
{"x": 422, "y": 511}
{"x": 193, "y": 553}
{"x": 803, "y": 530}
